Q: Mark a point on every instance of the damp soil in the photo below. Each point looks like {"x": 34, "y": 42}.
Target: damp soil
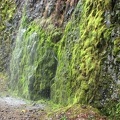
{"x": 12, "y": 108}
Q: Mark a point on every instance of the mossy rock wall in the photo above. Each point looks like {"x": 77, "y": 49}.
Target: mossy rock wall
{"x": 85, "y": 54}
{"x": 34, "y": 58}
{"x": 71, "y": 63}
{"x": 33, "y": 61}
{"x": 7, "y": 10}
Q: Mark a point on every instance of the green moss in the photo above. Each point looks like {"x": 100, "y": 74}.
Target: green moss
{"x": 7, "y": 10}
{"x": 75, "y": 112}
{"x": 80, "y": 53}
{"x": 116, "y": 49}
{"x": 33, "y": 60}
{"x": 67, "y": 66}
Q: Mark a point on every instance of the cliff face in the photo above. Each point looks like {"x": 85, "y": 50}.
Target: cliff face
{"x": 64, "y": 50}
{"x": 7, "y": 9}
{"x": 40, "y": 27}
{"x": 12, "y": 11}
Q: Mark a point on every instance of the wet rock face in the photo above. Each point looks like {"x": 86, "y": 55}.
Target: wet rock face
{"x": 112, "y": 64}
{"x": 59, "y": 10}
{"x": 7, "y": 9}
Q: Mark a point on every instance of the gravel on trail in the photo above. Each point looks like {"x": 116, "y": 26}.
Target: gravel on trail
{"x": 12, "y": 108}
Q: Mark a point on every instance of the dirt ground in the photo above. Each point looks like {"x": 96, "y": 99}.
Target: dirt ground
{"x": 16, "y": 109}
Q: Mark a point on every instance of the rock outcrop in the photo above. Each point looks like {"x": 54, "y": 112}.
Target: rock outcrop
{"x": 64, "y": 50}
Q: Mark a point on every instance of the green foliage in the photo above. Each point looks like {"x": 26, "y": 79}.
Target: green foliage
{"x": 75, "y": 111}
{"x": 112, "y": 110}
